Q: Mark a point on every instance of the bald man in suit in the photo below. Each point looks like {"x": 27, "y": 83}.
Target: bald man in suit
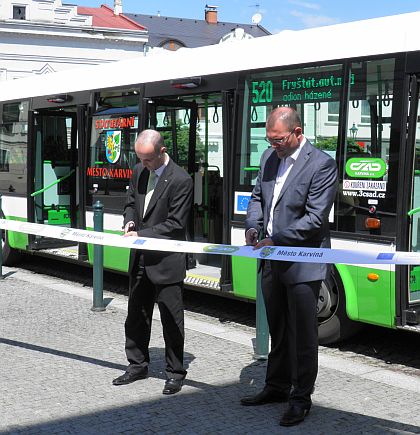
{"x": 159, "y": 201}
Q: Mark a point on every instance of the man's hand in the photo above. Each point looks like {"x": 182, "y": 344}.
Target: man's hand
{"x": 129, "y": 226}
{"x": 131, "y": 234}
{"x": 251, "y": 237}
{"x": 264, "y": 242}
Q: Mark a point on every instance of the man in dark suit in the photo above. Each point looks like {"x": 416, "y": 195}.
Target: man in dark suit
{"x": 289, "y": 206}
{"x": 158, "y": 203}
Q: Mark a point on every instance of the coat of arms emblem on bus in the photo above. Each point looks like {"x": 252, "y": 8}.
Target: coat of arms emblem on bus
{"x": 113, "y": 145}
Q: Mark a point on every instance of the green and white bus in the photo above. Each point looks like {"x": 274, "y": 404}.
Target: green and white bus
{"x": 66, "y": 141}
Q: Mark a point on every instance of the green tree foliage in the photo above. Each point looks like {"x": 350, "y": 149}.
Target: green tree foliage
{"x": 182, "y": 138}
{"x": 330, "y": 144}
{"x": 326, "y": 143}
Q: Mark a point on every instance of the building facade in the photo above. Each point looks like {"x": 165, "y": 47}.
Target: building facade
{"x": 42, "y": 36}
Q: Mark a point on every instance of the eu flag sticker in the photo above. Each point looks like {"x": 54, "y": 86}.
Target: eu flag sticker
{"x": 241, "y": 202}
{"x": 385, "y": 256}
{"x": 139, "y": 242}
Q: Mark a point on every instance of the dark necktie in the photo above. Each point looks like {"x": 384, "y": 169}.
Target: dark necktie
{"x": 149, "y": 191}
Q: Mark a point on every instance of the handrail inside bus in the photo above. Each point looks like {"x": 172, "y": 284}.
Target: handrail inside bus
{"x": 52, "y": 184}
{"x": 413, "y": 211}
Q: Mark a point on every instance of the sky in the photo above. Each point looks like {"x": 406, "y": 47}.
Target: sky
{"x": 276, "y": 15}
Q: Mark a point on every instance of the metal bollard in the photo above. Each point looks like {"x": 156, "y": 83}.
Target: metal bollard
{"x": 98, "y": 260}
{"x": 261, "y": 339}
{"x": 1, "y": 250}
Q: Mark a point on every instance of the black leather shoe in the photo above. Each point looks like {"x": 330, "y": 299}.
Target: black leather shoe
{"x": 128, "y": 378}
{"x": 265, "y": 396}
{"x": 294, "y": 414}
{"x": 172, "y": 386}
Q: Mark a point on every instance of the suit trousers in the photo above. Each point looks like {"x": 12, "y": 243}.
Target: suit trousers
{"x": 292, "y": 318}
{"x": 142, "y": 296}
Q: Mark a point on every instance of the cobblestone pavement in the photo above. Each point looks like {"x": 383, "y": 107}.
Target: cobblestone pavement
{"x": 58, "y": 359}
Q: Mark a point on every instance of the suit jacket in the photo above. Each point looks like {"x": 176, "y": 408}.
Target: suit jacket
{"x": 300, "y": 216}
{"x": 166, "y": 217}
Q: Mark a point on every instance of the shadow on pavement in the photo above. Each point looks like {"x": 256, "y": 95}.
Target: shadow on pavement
{"x": 157, "y": 355}
{"x": 211, "y": 411}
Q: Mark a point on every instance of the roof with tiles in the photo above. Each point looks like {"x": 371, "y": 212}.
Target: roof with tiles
{"x": 190, "y": 32}
{"x": 105, "y": 17}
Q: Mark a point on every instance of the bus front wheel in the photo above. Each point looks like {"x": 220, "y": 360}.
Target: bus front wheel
{"x": 333, "y": 323}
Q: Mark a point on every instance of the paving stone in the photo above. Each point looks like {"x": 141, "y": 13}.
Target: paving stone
{"x": 58, "y": 359}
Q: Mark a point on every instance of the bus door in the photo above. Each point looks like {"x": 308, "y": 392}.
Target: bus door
{"x": 176, "y": 121}
{"x": 194, "y": 138}
{"x": 53, "y": 192}
{"x": 413, "y": 163}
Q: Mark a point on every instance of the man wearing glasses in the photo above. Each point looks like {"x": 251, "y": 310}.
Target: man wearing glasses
{"x": 289, "y": 206}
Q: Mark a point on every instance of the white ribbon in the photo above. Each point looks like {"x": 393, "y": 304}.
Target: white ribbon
{"x": 280, "y": 253}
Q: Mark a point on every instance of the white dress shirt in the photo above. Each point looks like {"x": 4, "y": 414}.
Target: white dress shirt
{"x": 283, "y": 171}
{"x": 130, "y": 226}
{"x": 153, "y": 181}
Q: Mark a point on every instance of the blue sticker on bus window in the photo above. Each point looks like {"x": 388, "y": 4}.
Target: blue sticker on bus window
{"x": 385, "y": 256}
{"x": 139, "y": 242}
{"x": 242, "y": 202}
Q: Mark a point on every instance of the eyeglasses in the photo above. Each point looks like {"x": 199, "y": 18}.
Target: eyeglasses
{"x": 281, "y": 141}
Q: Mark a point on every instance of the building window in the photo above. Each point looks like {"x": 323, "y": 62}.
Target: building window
{"x": 333, "y": 108}
{"x": 172, "y": 44}
{"x": 365, "y": 112}
{"x": 4, "y": 160}
{"x": 19, "y": 12}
